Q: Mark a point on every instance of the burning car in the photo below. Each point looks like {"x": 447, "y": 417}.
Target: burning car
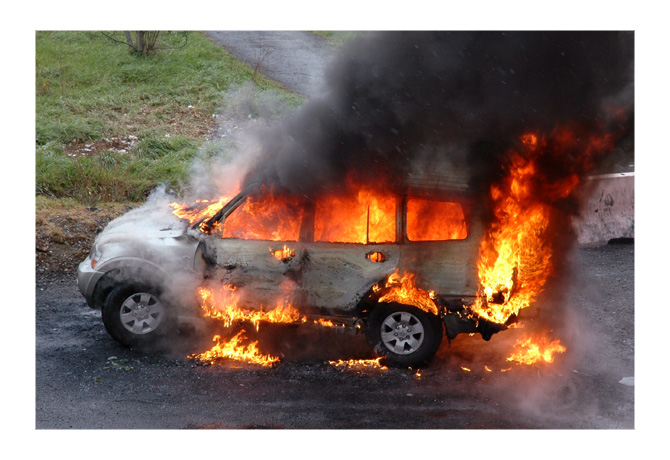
{"x": 407, "y": 263}
{"x": 398, "y": 264}
{"x": 374, "y": 234}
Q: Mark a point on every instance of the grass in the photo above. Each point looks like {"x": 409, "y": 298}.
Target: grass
{"x": 111, "y": 125}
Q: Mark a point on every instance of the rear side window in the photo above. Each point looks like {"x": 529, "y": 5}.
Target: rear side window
{"x": 429, "y": 220}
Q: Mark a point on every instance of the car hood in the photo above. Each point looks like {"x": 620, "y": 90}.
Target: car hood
{"x": 143, "y": 224}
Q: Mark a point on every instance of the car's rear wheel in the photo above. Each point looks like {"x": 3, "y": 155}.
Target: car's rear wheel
{"x": 403, "y": 334}
{"x": 134, "y": 314}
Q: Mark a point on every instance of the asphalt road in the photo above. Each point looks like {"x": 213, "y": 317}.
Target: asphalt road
{"x": 295, "y": 59}
{"x": 84, "y": 379}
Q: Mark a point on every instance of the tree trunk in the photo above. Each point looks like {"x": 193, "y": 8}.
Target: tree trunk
{"x": 129, "y": 39}
{"x": 140, "y": 42}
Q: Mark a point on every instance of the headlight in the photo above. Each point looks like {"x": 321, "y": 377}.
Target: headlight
{"x": 95, "y": 256}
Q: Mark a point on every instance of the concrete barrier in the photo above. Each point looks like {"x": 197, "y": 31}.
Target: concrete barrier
{"x": 608, "y": 210}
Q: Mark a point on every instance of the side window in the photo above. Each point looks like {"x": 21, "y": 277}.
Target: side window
{"x": 265, "y": 217}
{"x": 429, "y": 220}
{"x": 363, "y": 217}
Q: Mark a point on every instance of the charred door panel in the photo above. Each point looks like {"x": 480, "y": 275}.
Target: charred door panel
{"x": 336, "y": 275}
{"x": 264, "y": 272}
{"x": 447, "y": 267}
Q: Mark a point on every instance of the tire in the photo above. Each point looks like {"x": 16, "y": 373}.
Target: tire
{"x": 135, "y": 315}
{"x": 404, "y": 335}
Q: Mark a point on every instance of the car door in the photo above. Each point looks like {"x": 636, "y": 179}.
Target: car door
{"x": 256, "y": 250}
{"x": 350, "y": 246}
{"x": 441, "y": 236}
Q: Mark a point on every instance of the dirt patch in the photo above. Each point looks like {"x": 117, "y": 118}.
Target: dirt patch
{"x": 64, "y": 234}
{"x": 92, "y": 148}
{"x": 188, "y": 121}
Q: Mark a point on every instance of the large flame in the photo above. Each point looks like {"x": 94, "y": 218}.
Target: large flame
{"x": 515, "y": 257}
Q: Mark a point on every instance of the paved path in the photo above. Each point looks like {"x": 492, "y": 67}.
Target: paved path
{"x": 296, "y": 60}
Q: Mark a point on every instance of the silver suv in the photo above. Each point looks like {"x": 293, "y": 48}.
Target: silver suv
{"x": 400, "y": 266}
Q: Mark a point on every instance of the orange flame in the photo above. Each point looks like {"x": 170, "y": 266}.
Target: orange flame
{"x": 264, "y": 216}
{"x": 201, "y": 209}
{"x": 361, "y": 215}
{"x": 223, "y": 305}
{"x": 282, "y": 254}
{"x": 402, "y": 289}
{"x": 532, "y": 349}
{"x": 327, "y": 323}
{"x": 233, "y": 349}
{"x": 515, "y": 257}
{"x": 359, "y": 364}
{"x": 435, "y": 220}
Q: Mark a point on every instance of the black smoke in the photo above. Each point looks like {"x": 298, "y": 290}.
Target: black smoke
{"x": 394, "y": 98}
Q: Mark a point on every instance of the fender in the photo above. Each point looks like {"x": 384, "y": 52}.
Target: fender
{"x": 126, "y": 269}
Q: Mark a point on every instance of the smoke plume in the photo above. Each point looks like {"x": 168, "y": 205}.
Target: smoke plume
{"x": 392, "y": 99}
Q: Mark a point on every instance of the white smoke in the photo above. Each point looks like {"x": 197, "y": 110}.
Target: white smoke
{"x": 234, "y": 147}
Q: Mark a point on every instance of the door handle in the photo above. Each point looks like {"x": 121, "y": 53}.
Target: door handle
{"x": 284, "y": 254}
{"x": 375, "y": 256}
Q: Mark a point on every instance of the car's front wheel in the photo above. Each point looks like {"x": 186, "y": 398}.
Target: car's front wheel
{"x": 403, "y": 334}
{"x": 135, "y": 315}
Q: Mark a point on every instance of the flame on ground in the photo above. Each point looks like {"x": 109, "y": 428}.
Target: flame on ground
{"x": 235, "y": 350}
{"x": 359, "y": 364}
{"x": 532, "y": 349}
{"x": 222, "y": 305}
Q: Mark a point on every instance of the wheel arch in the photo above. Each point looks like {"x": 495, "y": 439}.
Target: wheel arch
{"x": 370, "y": 300}
{"x": 124, "y": 272}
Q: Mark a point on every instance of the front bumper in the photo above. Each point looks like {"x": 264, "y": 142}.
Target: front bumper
{"x": 87, "y": 278}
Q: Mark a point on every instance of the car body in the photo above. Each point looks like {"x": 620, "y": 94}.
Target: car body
{"x": 142, "y": 269}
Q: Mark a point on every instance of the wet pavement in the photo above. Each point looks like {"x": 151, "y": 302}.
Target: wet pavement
{"x": 84, "y": 379}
